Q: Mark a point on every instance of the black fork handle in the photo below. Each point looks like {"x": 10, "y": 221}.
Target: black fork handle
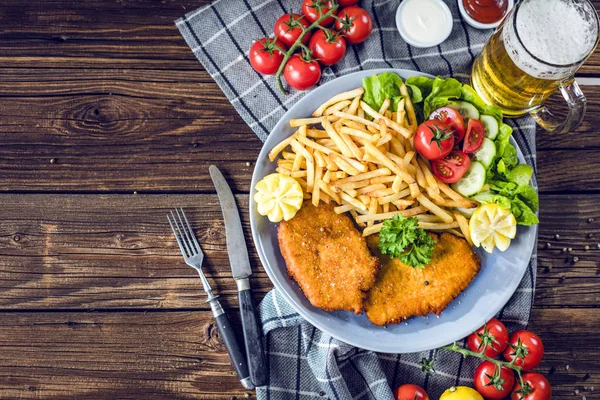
{"x": 233, "y": 348}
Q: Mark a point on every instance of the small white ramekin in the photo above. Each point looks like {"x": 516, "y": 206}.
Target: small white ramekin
{"x": 415, "y": 41}
{"x": 477, "y": 24}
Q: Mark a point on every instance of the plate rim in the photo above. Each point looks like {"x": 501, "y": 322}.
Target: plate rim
{"x": 304, "y": 313}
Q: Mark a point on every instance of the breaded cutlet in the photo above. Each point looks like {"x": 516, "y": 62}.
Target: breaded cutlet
{"x": 402, "y": 291}
{"x": 328, "y": 258}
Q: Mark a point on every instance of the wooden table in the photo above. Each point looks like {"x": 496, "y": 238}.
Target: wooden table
{"x": 107, "y": 121}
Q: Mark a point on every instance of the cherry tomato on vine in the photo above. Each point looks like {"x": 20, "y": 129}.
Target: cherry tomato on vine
{"x": 327, "y": 47}
{"x": 265, "y": 57}
{"x": 356, "y": 24}
{"x": 526, "y": 347}
{"x": 434, "y": 140}
{"x": 474, "y": 136}
{"x": 346, "y": 3}
{"x": 410, "y": 392}
{"x": 451, "y": 168}
{"x": 493, "y": 383}
{"x": 536, "y": 387}
{"x": 314, "y": 9}
{"x": 288, "y": 29}
{"x": 301, "y": 74}
{"x": 491, "y": 339}
{"x": 452, "y": 118}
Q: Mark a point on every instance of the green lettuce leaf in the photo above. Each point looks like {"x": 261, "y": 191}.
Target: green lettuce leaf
{"x": 521, "y": 174}
{"x": 523, "y": 214}
{"x": 383, "y": 86}
{"x": 490, "y": 197}
{"x": 469, "y": 94}
{"x": 443, "y": 91}
{"x": 424, "y": 84}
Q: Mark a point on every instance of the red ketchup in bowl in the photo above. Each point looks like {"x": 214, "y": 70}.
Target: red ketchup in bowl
{"x": 486, "y": 11}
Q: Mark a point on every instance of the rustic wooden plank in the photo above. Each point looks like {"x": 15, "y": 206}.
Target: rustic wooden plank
{"x": 116, "y": 251}
{"x": 568, "y": 357}
{"x": 114, "y": 355}
{"x": 179, "y": 355}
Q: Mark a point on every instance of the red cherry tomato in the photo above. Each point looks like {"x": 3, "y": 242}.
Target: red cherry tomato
{"x": 474, "y": 136}
{"x": 288, "y": 29}
{"x": 314, "y": 9}
{"x": 491, "y": 383}
{"x": 453, "y": 119}
{"x": 491, "y": 339}
{"x": 327, "y": 47}
{"x": 451, "y": 168}
{"x": 537, "y": 387}
{"x": 356, "y": 24}
{"x": 301, "y": 74}
{"x": 264, "y": 56}
{"x": 527, "y": 348}
{"x": 346, "y": 3}
{"x": 434, "y": 140}
{"x": 410, "y": 392}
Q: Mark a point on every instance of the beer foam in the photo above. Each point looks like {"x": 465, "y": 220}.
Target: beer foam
{"x": 559, "y": 32}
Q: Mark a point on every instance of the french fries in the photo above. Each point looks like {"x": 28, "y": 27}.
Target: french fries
{"x": 363, "y": 162}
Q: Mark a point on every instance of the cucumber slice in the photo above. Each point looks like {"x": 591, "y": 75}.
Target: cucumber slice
{"x": 467, "y": 110}
{"x": 491, "y": 126}
{"x": 467, "y": 212}
{"x": 486, "y": 153}
{"x": 472, "y": 182}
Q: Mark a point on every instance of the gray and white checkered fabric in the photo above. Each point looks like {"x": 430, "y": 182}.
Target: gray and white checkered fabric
{"x": 303, "y": 361}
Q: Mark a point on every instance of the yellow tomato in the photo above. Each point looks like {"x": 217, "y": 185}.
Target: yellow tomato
{"x": 492, "y": 226}
{"x": 278, "y": 196}
{"x": 461, "y": 393}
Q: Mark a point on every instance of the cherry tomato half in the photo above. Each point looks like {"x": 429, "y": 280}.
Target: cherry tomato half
{"x": 474, "y": 136}
{"x": 537, "y": 387}
{"x": 265, "y": 57}
{"x": 301, "y": 74}
{"x": 451, "y": 117}
{"x": 491, "y": 339}
{"x": 355, "y": 24}
{"x": 434, "y": 140}
{"x": 493, "y": 384}
{"x": 327, "y": 47}
{"x": 526, "y": 347}
{"x": 410, "y": 392}
{"x": 288, "y": 29}
{"x": 314, "y": 9}
{"x": 451, "y": 168}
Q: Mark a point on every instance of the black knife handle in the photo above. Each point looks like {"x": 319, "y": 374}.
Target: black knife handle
{"x": 252, "y": 334}
{"x": 235, "y": 353}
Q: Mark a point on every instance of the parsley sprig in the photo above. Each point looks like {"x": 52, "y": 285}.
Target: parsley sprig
{"x": 401, "y": 238}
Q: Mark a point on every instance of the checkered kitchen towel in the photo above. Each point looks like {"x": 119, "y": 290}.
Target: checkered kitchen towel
{"x": 305, "y": 362}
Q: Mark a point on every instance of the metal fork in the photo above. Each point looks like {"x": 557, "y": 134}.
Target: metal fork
{"x": 193, "y": 256}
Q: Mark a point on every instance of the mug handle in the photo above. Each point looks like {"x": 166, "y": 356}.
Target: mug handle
{"x": 577, "y": 106}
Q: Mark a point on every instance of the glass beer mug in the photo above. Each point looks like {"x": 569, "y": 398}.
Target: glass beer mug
{"x": 535, "y": 51}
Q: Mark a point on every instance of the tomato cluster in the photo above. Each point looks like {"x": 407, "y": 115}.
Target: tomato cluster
{"x": 523, "y": 349}
{"x": 439, "y": 140}
{"x": 495, "y": 380}
{"x": 320, "y": 40}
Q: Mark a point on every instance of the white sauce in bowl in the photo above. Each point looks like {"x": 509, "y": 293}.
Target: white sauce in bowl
{"x": 424, "y": 23}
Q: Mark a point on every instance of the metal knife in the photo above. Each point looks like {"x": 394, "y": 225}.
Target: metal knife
{"x": 240, "y": 267}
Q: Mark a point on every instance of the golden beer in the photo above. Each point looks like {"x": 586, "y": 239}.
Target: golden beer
{"x": 534, "y": 52}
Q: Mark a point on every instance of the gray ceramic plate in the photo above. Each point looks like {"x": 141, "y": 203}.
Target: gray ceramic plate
{"x": 488, "y": 293}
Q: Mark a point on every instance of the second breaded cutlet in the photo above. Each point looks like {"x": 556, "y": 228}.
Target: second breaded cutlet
{"x": 328, "y": 257}
{"x": 402, "y": 291}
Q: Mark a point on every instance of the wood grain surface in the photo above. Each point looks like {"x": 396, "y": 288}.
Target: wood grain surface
{"x": 103, "y": 99}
